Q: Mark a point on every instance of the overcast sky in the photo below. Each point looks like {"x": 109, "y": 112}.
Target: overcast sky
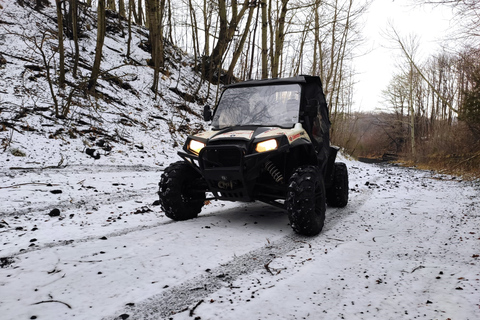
{"x": 377, "y": 66}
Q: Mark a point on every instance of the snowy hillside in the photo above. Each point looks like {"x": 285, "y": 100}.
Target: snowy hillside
{"x": 123, "y": 124}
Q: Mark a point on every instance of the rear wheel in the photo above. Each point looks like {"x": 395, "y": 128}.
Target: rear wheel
{"x": 305, "y": 201}
{"x": 181, "y": 191}
{"x": 337, "y": 194}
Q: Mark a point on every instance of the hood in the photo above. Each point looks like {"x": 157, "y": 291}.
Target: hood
{"x": 253, "y": 133}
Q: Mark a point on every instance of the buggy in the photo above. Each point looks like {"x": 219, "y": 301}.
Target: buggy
{"x": 269, "y": 141}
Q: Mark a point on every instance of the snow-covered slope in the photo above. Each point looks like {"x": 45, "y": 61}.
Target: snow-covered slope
{"x": 122, "y": 124}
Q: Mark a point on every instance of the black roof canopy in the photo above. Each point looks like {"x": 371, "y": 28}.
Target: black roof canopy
{"x": 312, "y": 84}
{"x": 266, "y": 82}
{"x": 317, "y": 125}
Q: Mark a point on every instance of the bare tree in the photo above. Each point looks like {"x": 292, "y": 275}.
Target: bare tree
{"x": 241, "y": 44}
{"x": 226, "y": 33}
{"x": 467, "y": 16}
{"x": 409, "y": 56}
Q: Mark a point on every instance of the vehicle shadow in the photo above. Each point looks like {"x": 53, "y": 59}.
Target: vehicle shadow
{"x": 252, "y": 216}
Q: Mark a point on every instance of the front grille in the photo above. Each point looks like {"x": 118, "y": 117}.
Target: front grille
{"x": 222, "y": 157}
{"x": 223, "y": 169}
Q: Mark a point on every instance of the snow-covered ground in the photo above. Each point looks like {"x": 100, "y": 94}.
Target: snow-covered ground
{"x": 407, "y": 246}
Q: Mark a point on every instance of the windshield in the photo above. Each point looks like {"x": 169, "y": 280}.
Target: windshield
{"x": 276, "y": 105}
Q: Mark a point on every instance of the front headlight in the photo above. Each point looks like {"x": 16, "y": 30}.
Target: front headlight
{"x": 267, "y": 145}
{"x": 195, "y": 146}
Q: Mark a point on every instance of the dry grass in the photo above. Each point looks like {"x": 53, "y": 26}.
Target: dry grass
{"x": 446, "y": 147}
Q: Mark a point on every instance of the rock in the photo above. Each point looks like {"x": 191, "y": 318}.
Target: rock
{"x": 3, "y": 61}
{"x": 54, "y": 213}
{"x": 6, "y": 261}
{"x": 17, "y": 152}
{"x": 92, "y": 153}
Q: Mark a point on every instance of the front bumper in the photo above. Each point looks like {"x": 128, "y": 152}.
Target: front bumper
{"x": 230, "y": 173}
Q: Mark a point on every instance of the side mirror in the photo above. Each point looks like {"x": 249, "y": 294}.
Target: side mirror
{"x": 207, "y": 113}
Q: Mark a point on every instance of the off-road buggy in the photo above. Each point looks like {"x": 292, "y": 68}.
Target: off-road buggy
{"x": 269, "y": 142}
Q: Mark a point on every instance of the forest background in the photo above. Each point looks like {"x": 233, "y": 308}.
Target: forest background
{"x": 431, "y": 114}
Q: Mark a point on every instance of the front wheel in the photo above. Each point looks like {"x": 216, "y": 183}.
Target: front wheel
{"x": 181, "y": 191}
{"x": 305, "y": 201}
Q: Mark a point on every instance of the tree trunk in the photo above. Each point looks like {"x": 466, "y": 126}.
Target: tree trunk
{"x": 279, "y": 40}
{"x": 206, "y": 23}
{"x": 110, "y": 5}
{"x": 155, "y": 14}
{"x": 139, "y": 19}
{"x": 74, "y": 10}
{"x": 131, "y": 8}
{"x": 101, "y": 27}
{"x": 412, "y": 114}
{"x": 264, "y": 40}
{"x": 193, "y": 19}
{"x": 61, "y": 51}
{"x": 121, "y": 8}
{"x": 316, "y": 33}
{"x": 171, "y": 25}
{"x": 253, "y": 46}
{"x": 296, "y": 65}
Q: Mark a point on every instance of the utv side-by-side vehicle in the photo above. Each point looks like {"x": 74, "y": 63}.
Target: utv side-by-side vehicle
{"x": 269, "y": 141}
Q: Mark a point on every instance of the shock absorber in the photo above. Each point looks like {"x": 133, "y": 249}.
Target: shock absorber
{"x": 274, "y": 172}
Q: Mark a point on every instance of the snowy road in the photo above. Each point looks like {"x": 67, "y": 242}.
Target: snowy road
{"x": 407, "y": 246}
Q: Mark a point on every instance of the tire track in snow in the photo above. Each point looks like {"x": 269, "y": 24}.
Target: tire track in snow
{"x": 179, "y": 298}
{"x": 65, "y": 243}
{"x": 99, "y": 198}
{"x": 126, "y": 195}
{"x": 12, "y": 172}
